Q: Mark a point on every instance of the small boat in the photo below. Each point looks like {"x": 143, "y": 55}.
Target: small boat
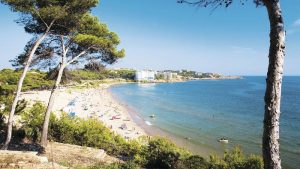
{"x": 223, "y": 140}
{"x": 188, "y": 138}
{"x": 152, "y": 116}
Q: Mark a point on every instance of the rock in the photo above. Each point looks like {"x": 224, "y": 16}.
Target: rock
{"x": 101, "y": 154}
{"x": 34, "y": 153}
{"x": 43, "y": 159}
{"x": 12, "y": 164}
{"x": 21, "y": 162}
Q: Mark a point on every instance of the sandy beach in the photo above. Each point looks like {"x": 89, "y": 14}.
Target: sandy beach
{"x": 91, "y": 103}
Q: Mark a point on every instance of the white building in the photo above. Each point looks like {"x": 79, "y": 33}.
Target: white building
{"x": 199, "y": 73}
{"x": 169, "y": 76}
{"x": 145, "y": 75}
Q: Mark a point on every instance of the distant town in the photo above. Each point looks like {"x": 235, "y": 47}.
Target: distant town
{"x": 176, "y": 75}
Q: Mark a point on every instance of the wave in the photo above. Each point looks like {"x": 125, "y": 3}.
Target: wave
{"x": 148, "y": 123}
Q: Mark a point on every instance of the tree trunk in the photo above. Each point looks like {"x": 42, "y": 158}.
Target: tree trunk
{"x": 18, "y": 92}
{"x": 50, "y": 106}
{"x": 270, "y": 140}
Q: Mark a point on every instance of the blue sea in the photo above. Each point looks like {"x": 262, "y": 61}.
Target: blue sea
{"x": 207, "y": 110}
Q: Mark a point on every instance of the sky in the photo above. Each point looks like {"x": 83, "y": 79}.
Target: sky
{"x": 162, "y": 34}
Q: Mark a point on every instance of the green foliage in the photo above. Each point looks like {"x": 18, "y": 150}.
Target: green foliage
{"x": 34, "y": 80}
{"x": 82, "y": 74}
{"x": 159, "y": 76}
{"x": 91, "y": 26}
{"x": 6, "y": 101}
{"x": 128, "y": 74}
{"x": 96, "y": 40}
{"x": 37, "y": 80}
{"x": 94, "y": 66}
{"x": 193, "y": 162}
{"x": 235, "y": 159}
{"x": 194, "y": 74}
{"x": 187, "y": 73}
{"x": 126, "y": 165}
{"x": 161, "y": 153}
{"x": 33, "y": 121}
{"x": 217, "y": 163}
{"x": 66, "y": 129}
{"x": 254, "y": 162}
{"x": 21, "y": 106}
{"x": 66, "y": 76}
{"x": 2, "y": 127}
{"x": 5, "y": 104}
{"x": 91, "y": 133}
{"x": 78, "y": 75}
{"x": 38, "y": 14}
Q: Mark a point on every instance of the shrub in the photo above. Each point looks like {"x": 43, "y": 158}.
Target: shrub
{"x": 2, "y": 127}
{"x": 78, "y": 75}
{"x": 89, "y": 132}
{"x": 86, "y": 74}
{"x": 33, "y": 121}
{"x": 254, "y": 162}
{"x": 217, "y": 163}
{"x": 235, "y": 159}
{"x": 6, "y": 101}
{"x": 34, "y": 80}
{"x": 126, "y": 165}
{"x": 193, "y": 162}
{"x": 161, "y": 153}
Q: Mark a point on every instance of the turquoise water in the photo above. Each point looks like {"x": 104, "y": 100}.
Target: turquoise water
{"x": 209, "y": 109}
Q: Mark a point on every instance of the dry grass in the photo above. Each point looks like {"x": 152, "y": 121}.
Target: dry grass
{"x": 25, "y": 160}
{"x": 58, "y": 156}
{"x": 76, "y": 156}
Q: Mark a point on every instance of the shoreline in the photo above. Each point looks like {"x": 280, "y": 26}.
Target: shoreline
{"x": 102, "y": 104}
{"x": 153, "y": 130}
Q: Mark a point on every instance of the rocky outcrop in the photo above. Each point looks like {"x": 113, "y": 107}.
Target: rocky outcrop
{"x": 26, "y": 160}
{"x": 58, "y": 156}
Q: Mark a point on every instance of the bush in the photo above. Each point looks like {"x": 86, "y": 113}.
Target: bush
{"x": 235, "y": 159}
{"x": 66, "y": 129}
{"x": 6, "y": 101}
{"x": 2, "y": 127}
{"x": 161, "y": 153}
{"x": 33, "y": 121}
{"x": 91, "y": 133}
{"x": 254, "y": 162}
{"x": 86, "y": 74}
{"x": 126, "y": 165}
{"x": 193, "y": 162}
{"x": 34, "y": 80}
{"x": 78, "y": 75}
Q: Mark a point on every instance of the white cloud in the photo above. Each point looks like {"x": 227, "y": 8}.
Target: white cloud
{"x": 297, "y": 22}
{"x": 294, "y": 28}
